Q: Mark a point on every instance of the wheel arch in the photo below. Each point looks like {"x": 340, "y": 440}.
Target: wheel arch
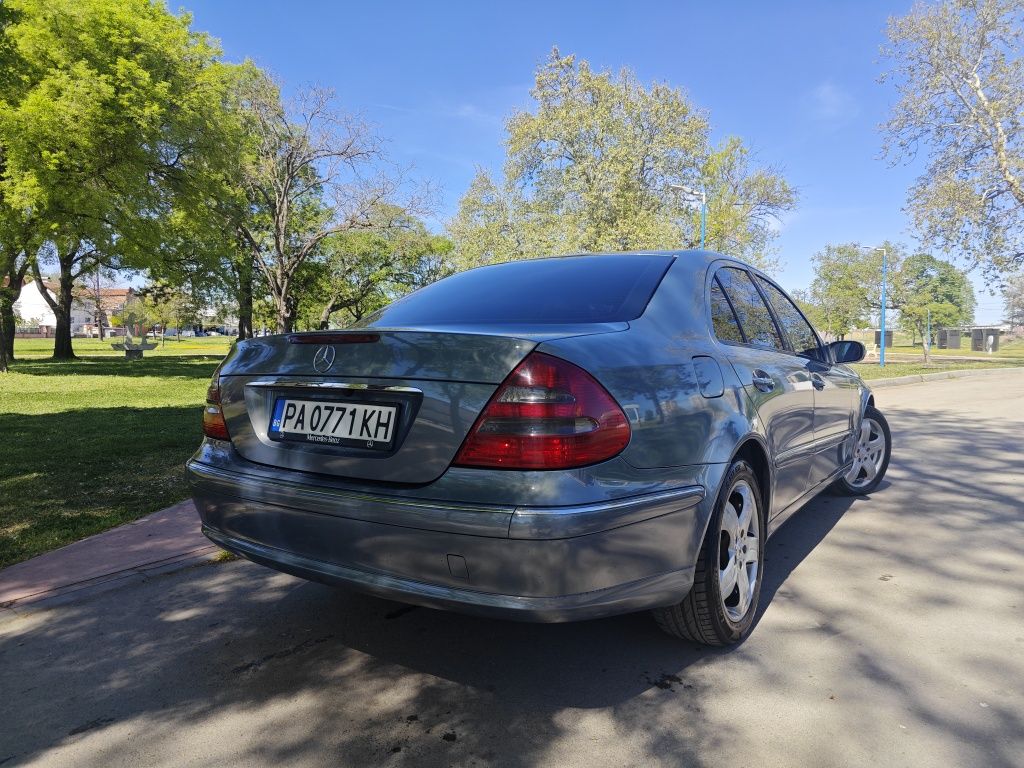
{"x": 753, "y": 450}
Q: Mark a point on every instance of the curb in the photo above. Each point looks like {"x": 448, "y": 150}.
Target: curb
{"x": 80, "y": 590}
{"x": 162, "y": 542}
{"x": 919, "y": 378}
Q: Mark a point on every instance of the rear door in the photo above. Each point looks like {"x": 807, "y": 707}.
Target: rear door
{"x": 777, "y": 382}
{"x": 836, "y": 392}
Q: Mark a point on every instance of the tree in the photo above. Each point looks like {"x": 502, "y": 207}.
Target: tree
{"x": 17, "y": 226}
{"x": 598, "y": 165}
{"x": 166, "y": 304}
{"x": 1013, "y": 300}
{"x": 203, "y": 243}
{"x": 928, "y": 285}
{"x": 116, "y": 110}
{"x": 959, "y": 74}
{"x": 312, "y": 172}
{"x": 17, "y": 254}
{"x": 847, "y": 285}
{"x": 362, "y": 271}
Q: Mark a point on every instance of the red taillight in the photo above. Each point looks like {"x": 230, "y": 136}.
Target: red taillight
{"x": 548, "y": 414}
{"x": 213, "y": 417}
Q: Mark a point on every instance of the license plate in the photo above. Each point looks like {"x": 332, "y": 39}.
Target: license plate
{"x": 333, "y": 423}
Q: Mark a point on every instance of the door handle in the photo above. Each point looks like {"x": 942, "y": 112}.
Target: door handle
{"x": 817, "y": 381}
{"x": 763, "y": 381}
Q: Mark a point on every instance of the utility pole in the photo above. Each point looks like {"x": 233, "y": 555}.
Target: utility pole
{"x": 703, "y": 208}
{"x": 928, "y": 338}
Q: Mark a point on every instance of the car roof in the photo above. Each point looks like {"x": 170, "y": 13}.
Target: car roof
{"x": 694, "y": 256}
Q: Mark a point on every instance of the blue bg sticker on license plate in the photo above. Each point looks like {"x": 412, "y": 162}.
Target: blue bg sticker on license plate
{"x": 333, "y": 423}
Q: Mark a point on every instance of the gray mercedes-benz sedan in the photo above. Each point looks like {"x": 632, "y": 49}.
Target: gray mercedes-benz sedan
{"x": 546, "y": 440}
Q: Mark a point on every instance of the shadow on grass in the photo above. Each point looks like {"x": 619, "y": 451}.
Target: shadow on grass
{"x": 177, "y": 366}
{"x": 70, "y": 474}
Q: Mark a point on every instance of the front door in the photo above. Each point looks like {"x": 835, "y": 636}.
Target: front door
{"x": 836, "y": 388}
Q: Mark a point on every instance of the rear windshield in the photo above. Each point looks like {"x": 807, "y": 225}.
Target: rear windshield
{"x": 573, "y": 289}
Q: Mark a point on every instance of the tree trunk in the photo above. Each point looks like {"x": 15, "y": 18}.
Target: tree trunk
{"x": 244, "y": 296}
{"x": 61, "y": 306}
{"x": 285, "y": 314}
{"x": 7, "y": 324}
{"x": 4, "y": 328}
{"x": 325, "y": 316}
{"x": 62, "y": 349}
{"x": 285, "y": 320}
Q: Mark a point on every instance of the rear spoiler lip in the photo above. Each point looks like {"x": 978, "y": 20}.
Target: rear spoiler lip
{"x": 531, "y": 332}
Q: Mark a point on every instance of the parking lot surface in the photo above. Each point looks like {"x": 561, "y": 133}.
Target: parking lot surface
{"x": 891, "y": 634}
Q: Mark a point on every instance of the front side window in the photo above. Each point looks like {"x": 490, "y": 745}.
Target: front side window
{"x": 751, "y": 311}
{"x": 799, "y": 331}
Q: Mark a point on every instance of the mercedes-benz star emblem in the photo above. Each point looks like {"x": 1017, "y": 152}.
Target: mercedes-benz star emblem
{"x": 323, "y": 359}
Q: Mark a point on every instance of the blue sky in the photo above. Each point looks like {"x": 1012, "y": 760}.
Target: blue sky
{"x": 796, "y": 80}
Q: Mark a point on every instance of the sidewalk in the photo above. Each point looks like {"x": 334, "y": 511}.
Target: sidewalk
{"x": 169, "y": 539}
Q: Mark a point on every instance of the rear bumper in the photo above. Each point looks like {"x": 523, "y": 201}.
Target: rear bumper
{"x": 528, "y": 563}
{"x": 651, "y": 592}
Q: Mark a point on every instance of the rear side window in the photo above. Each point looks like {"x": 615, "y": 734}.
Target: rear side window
{"x": 723, "y": 319}
{"x": 800, "y": 333}
{"x": 755, "y": 319}
{"x": 574, "y": 289}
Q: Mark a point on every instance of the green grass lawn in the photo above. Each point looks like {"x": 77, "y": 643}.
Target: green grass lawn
{"x": 891, "y": 370}
{"x": 205, "y": 345}
{"x": 89, "y": 444}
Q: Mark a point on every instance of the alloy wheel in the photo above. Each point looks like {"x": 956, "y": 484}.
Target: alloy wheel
{"x": 739, "y": 551}
{"x": 868, "y": 454}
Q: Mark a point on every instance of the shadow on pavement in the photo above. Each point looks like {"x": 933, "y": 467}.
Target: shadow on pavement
{"x": 238, "y": 664}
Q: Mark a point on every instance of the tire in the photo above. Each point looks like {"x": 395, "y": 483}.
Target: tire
{"x": 704, "y": 615}
{"x": 869, "y": 464}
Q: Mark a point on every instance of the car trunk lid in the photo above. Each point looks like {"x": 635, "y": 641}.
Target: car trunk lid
{"x": 433, "y": 383}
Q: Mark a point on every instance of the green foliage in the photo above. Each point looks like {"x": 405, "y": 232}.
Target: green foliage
{"x": 847, "y": 285}
{"x": 1013, "y": 299}
{"x": 361, "y": 271}
{"x": 846, "y": 290}
{"x": 598, "y": 165}
{"x": 113, "y": 122}
{"x": 959, "y": 72}
{"x": 930, "y": 285}
{"x": 168, "y": 306}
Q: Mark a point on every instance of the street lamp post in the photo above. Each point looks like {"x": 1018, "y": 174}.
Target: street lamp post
{"x": 881, "y": 351}
{"x": 703, "y": 207}
{"x": 881, "y": 354}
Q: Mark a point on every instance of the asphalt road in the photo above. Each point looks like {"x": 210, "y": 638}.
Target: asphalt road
{"x": 892, "y": 635}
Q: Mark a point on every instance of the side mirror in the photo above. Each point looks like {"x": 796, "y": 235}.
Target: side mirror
{"x": 847, "y": 351}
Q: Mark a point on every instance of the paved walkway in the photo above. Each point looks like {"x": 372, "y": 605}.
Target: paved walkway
{"x": 164, "y": 540}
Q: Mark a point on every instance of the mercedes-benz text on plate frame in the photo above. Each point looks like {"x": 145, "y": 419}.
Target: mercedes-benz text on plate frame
{"x": 546, "y": 440}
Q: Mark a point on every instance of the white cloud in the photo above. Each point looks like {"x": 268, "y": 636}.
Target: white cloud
{"x": 831, "y": 103}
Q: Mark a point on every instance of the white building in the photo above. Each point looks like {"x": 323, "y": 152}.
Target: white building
{"x": 35, "y": 312}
